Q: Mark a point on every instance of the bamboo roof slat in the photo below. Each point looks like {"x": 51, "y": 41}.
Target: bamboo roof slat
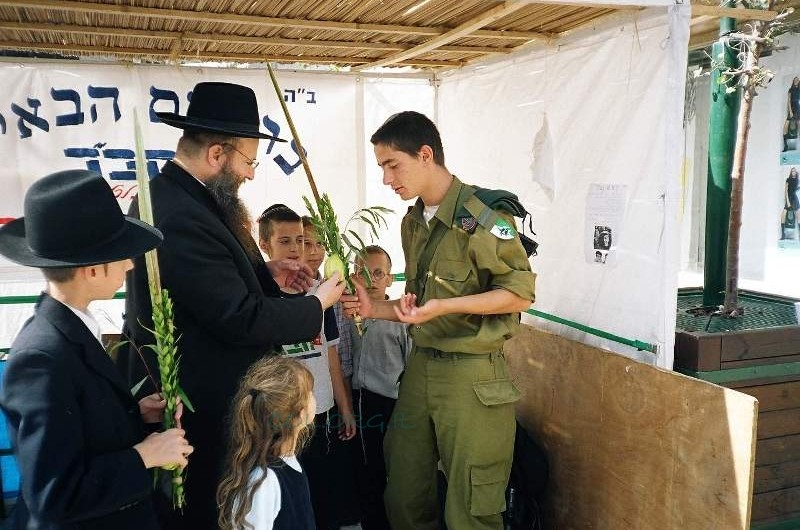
{"x": 464, "y": 29}
{"x": 356, "y": 33}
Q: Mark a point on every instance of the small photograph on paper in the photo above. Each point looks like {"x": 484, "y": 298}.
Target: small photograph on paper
{"x": 605, "y": 210}
{"x": 790, "y": 153}
{"x": 602, "y": 243}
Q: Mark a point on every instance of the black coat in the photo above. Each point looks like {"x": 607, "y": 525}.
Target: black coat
{"x": 227, "y": 314}
{"x": 73, "y": 424}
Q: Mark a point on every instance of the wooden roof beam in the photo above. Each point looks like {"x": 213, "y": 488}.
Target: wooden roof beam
{"x": 739, "y": 13}
{"x": 488, "y": 17}
{"x": 217, "y": 56}
{"x": 236, "y": 39}
{"x": 254, "y": 20}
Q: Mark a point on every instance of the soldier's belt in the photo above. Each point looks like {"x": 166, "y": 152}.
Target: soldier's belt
{"x": 439, "y": 354}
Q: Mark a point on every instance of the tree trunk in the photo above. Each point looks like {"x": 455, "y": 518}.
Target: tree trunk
{"x": 731, "y": 304}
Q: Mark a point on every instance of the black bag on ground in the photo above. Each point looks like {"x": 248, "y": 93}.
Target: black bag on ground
{"x": 527, "y": 484}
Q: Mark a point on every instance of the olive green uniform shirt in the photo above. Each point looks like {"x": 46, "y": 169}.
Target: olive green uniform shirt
{"x": 464, "y": 264}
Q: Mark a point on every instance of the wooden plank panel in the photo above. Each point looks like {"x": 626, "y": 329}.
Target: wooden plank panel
{"x": 779, "y": 396}
{"x": 757, "y": 344}
{"x": 776, "y": 503}
{"x": 781, "y": 449}
{"x": 698, "y": 351}
{"x": 778, "y": 423}
{"x": 777, "y": 476}
{"x": 761, "y": 381}
{"x": 761, "y": 361}
{"x": 630, "y": 445}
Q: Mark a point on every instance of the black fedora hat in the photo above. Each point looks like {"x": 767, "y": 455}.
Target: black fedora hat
{"x": 222, "y": 108}
{"x": 72, "y": 220}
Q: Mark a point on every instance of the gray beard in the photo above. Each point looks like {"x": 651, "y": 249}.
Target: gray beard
{"x": 225, "y": 189}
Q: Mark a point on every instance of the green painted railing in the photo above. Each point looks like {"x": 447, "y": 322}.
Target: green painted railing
{"x": 639, "y": 345}
{"x": 25, "y": 299}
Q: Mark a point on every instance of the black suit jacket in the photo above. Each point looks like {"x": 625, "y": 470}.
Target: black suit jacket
{"x": 73, "y": 423}
{"x": 227, "y": 314}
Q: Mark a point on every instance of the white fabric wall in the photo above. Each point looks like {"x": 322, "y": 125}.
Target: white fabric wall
{"x": 602, "y": 107}
{"x": 764, "y": 266}
{"x": 383, "y": 98}
{"x": 693, "y": 186}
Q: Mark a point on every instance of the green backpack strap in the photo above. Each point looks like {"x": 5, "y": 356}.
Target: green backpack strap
{"x": 482, "y": 213}
{"x": 482, "y": 205}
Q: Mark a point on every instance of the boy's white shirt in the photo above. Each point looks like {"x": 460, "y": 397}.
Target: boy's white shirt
{"x": 315, "y": 357}
{"x": 88, "y": 319}
{"x": 267, "y": 498}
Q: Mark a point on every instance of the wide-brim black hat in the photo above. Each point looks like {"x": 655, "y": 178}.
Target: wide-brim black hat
{"x": 73, "y": 220}
{"x": 222, "y": 108}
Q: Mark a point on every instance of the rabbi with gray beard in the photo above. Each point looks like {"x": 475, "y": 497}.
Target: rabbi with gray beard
{"x": 227, "y": 310}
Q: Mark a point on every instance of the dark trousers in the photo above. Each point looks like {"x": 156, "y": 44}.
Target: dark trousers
{"x": 374, "y": 412}
{"x": 330, "y": 478}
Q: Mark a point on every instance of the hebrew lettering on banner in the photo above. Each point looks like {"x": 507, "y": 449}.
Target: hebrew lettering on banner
{"x": 158, "y": 94}
{"x": 73, "y": 118}
{"x": 102, "y": 92}
{"x": 290, "y": 96}
{"x": 287, "y": 167}
{"x": 32, "y": 118}
{"x": 123, "y": 181}
{"x": 53, "y": 120}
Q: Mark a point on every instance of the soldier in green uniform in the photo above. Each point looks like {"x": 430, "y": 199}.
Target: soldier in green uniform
{"x": 468, "y": 278}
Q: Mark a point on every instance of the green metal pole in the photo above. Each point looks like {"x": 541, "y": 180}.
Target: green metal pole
{"x": 721, "y": 140}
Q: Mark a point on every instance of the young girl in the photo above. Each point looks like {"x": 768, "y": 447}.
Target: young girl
{"x": 272, "y": 416}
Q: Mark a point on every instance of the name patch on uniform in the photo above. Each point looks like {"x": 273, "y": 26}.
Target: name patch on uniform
{"x": 468, "y": 224}
{"x": 502, "y": 229}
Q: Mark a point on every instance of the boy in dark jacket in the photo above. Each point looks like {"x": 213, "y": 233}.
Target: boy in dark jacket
{"x": 78, "y": 434}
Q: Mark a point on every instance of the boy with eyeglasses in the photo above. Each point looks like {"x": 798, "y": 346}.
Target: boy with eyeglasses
{"x": 379, "y": 358}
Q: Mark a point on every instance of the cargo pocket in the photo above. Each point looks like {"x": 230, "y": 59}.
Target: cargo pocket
{"x": 488, "y": 487}
{"x": 496, "y": 392}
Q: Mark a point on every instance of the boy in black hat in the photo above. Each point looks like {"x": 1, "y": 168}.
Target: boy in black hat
{"x": 78, "y": 433}
{"x": 228, "y": 309}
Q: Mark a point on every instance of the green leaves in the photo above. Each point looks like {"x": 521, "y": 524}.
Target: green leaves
{"x": 345, "y": 243}
{"x": 165, "y": 348}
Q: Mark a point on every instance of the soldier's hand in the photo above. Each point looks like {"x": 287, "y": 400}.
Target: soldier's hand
{"x": 408, "y": 312}
{"x": 358, "y": 303}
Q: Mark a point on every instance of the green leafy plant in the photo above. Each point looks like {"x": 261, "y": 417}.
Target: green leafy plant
{"x": 164, "y": 332}
{"x": 343, "y": 245}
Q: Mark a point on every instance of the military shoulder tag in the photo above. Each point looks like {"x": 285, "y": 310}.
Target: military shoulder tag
{"x": 468, "y": 224}
{"x": 502, "y": 229}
